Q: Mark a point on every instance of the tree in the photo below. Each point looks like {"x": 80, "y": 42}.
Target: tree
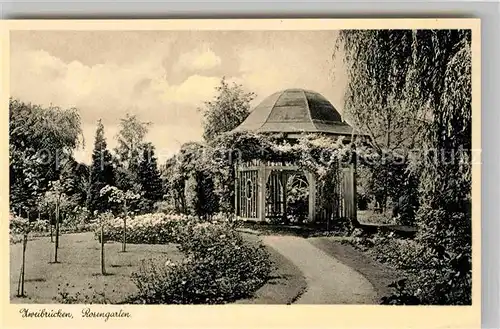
{"x": 120, "y": 201}
{"x": 227, "y": 110}
{"x": 445, "y": 212}
{"x": 174, "y": 182}
{"x": 190, "y": 180}
{"x": 148, "y": 175}
{"x": 40, "y": 140}
{"x": 22, "y": 226}
{"x": 130, "y": 139}
{"x": 58, "y": 200}
{"x": 103, "y": 220}
{"x": 101, "y": 172}
{"x": 75, "y": 179}
{"x": 426, "y": 72}
{"x": 379, "y": 101}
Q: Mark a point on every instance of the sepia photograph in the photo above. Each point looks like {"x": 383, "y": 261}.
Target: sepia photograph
{"x": 241, "y": 166}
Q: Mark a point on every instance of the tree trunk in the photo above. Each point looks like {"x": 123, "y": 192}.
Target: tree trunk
{"x": 51, "y": 230}
{"x": 20, "y": 287}
{"x": 25, "y": 243}
{"x": 103, "y": 269}
{"x": 57, "y": 233}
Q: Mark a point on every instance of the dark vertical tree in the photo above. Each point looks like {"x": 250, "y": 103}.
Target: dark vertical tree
{"x": 149, "y": 175}
{"x": 101, "y": 171}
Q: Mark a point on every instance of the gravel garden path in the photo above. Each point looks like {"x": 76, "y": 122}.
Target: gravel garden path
{"x": 328, "y": 280}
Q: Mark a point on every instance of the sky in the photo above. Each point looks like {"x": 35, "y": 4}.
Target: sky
{"x": 164, "y": 77}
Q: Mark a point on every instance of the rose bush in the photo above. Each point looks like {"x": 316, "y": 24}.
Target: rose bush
{"x": 156, "y": 228}
{"x": 19, "y": 226}
{"x": 220, "y": 266}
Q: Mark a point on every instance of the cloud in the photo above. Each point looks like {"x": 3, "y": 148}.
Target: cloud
{"x": 107, "y": 91}
{"x": 202, "y": 58}
{"x": 163, "y": 77}
{"x": 265, "y": 70}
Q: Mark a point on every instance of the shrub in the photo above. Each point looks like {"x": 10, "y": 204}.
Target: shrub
{"x": 156, "y": 228}
{"x": 165, "y": 207}
{"x": 384, "y": 247}
{"x": 220, "y": 266}
{"x": 19, "y": 226}
{"x": 201, "y": 199}
{"x": 403, "y": 295}
{"x": 87, "y": 295}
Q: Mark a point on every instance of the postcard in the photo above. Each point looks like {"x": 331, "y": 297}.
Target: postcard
{"x": 293, "y": 173}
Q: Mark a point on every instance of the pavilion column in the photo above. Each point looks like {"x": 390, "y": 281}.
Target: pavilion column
{"x": 284, "y": 179}
{"x": 236, "y": 191}
{"x": 311, "y": 179}
{"x": 352, "y": 170}
{"x": 263, "y": 176}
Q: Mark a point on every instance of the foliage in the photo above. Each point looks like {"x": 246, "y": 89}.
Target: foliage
{"x": 148, "y": 175}
{"x": 74, "y": 177}
{"x": 201, "y": 200}
{"x": 380, "y": 101}
{"x": 402, "y": 295}
{"x": 189, "y": 177}
{"x": 320, "y": 155}
{"x": 226, "y": 111}
{"x": 192, "y": 200}
{"x": 118, "y": 201}
{"x": 40, "y": 139}
{"x": 78, "y": 219}
{"x": 130, "y": 139}
{"x": 101, "y": 171}
{"x": 445, "y": 211}
{"x": 55, "y": 198}
{"x": 427, "y": 73}
{"x": 219, "y": 267}
{"x": 90, "y": 297}
{"x": 165, "y": 207}
{"x": 297, "y": 199}
{"x": 20, "y": 227}
{"x": 156, "y": 228}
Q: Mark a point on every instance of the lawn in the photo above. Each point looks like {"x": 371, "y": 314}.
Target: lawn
{"x": 79, "y": 271}
{"x": 79, "y": 268}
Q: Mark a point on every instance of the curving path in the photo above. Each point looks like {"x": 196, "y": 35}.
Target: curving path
{"x": 328, "y": 280}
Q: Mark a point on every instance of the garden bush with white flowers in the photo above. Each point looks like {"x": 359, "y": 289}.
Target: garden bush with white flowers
{"x": 19, "y": 226}
{"x": 219, "y": 264}
{"x": 155, "y": 228}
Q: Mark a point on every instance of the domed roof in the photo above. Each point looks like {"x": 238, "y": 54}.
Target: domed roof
{"x": 295, "y": 111}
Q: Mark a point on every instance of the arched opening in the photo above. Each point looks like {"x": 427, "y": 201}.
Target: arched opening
{"x": 297, "y": 198}
{"x": 287, "y": 197}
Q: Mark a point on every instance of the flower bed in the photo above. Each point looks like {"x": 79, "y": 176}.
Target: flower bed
{"x": 19, "y": 226}
{"x": 156, "y": 228}
{"x": 220, "y": 266}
